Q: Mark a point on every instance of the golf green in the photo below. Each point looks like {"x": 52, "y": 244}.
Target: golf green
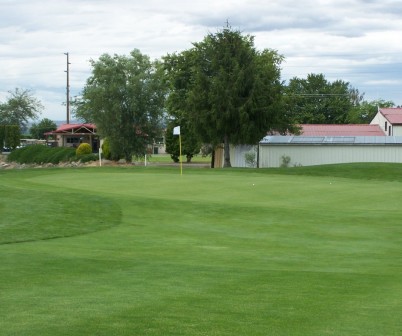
{"x": 147, "y": 251}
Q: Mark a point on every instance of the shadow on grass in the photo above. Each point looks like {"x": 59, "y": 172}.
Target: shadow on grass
{"x": 33, "y": 215}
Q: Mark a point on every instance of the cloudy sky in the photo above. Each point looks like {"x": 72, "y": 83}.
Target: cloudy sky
{"x": 358, "y": 41}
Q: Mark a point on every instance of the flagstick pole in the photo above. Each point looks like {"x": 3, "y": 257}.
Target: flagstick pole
{"x": 181, "y": 161}
{"x": 176, "y": 131}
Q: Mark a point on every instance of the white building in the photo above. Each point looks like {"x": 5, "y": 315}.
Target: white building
{"x": 390, "y": 121}
{"x": 380, "y": 141}
{"x": 275, "y": 151}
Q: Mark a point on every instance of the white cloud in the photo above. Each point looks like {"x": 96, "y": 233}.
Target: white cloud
{"x": 357, "y": 41}
{"x": 384, "y": 82}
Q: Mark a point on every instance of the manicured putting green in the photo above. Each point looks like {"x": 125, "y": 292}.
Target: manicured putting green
{"x": 145, "y": 251}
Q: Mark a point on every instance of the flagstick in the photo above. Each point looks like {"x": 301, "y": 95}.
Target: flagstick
{"x": 181, "y": 161}
{"x": 176, "y": 131}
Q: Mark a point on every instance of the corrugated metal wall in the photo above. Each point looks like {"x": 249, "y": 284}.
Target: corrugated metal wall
{"x": 397, "y": 131}
{"x": 310, "y": 155}
{"x": 238, "y": 155}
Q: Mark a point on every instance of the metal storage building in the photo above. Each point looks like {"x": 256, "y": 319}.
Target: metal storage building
{"x": 309, "y": 151}
{"x": 380, "y": 141}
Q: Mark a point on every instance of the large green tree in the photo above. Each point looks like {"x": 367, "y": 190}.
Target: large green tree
{"x": 227, "y": 90}
{"x": 19, "y": 108}
{"x": 366, "y": 111}
{"x": 315, "y": 100}
{"x": 124, "y": 97}
{"x": 38, "y": 130}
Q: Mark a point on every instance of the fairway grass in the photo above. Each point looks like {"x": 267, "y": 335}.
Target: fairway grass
{"x": 145, "y": 251}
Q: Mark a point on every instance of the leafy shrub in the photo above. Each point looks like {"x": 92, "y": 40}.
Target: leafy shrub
{"x": 61, "y": 154}
{"x": 84, "y": 148}
{"x": 285, "y": 161}
{"x": 250, "y": 159}
{"x": 108, "y": 152}
{"x": 106, "y": 149}
{"x": 41, "y": 154}
{"x": 88, "y": 157}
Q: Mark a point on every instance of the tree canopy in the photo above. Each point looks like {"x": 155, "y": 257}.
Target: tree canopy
{"x": 227, "y": 90}
{"x": 38, "y": 130}
{"x": 315, "y": 100}
{"x": 190, "y": 144}
{"x": 19, "y": 108}
{"x": 124, "y": 97}
{"x": 366, "y": 111}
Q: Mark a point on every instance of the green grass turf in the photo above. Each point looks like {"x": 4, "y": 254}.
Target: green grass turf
{"x": 145, "y": 251}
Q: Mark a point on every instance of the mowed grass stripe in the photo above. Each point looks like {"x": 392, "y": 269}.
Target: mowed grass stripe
{"x": 287, "y": 255}
{"x": 29, "y": 215}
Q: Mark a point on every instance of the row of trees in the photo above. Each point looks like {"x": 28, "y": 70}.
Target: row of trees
{"x": 221, "y": 90}
{"x": 315, "y": 100}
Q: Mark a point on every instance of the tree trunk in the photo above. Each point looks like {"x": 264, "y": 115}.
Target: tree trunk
{"x": 226, "y": 163}
{"x": 128, "y": 157}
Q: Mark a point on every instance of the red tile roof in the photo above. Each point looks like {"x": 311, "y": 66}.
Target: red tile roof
{"x": 393, "y": 115}
{"x": 74, "y": 128}
{"x": 341, "y": 130}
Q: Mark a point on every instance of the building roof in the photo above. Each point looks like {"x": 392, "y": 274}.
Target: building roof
{"x": 393, "y": 114}
{"x": 341, "y": 130}
{"x": 331, "y": 140}
{"x": 74, "y": 128}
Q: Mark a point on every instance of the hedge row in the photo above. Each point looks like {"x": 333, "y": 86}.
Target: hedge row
{"x": 40, "y": 154}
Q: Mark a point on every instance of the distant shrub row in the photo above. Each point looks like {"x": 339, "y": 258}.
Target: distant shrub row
{"x": 39, "y": 154}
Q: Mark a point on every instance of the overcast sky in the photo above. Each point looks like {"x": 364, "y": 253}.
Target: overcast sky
{"x": 353, "y": 40}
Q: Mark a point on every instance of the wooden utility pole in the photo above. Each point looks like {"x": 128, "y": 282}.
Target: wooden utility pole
{"x": 68, "y": 90}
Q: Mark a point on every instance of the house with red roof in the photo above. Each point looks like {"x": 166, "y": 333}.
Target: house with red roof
{"x": 390, "y": 120}
{"x": 72, "y": 135}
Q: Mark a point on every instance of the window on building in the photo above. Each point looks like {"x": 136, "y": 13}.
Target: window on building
{"x": 389, "y": 130}
{"x": 159, "y": 140}
{"x": 73, "y": 140}
{"x": 386, "y": 126}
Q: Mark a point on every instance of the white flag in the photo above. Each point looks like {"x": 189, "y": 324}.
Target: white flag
{"x": 176, "y": 130}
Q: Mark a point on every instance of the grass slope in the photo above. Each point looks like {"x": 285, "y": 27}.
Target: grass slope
{"x": 212, "y": 252}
